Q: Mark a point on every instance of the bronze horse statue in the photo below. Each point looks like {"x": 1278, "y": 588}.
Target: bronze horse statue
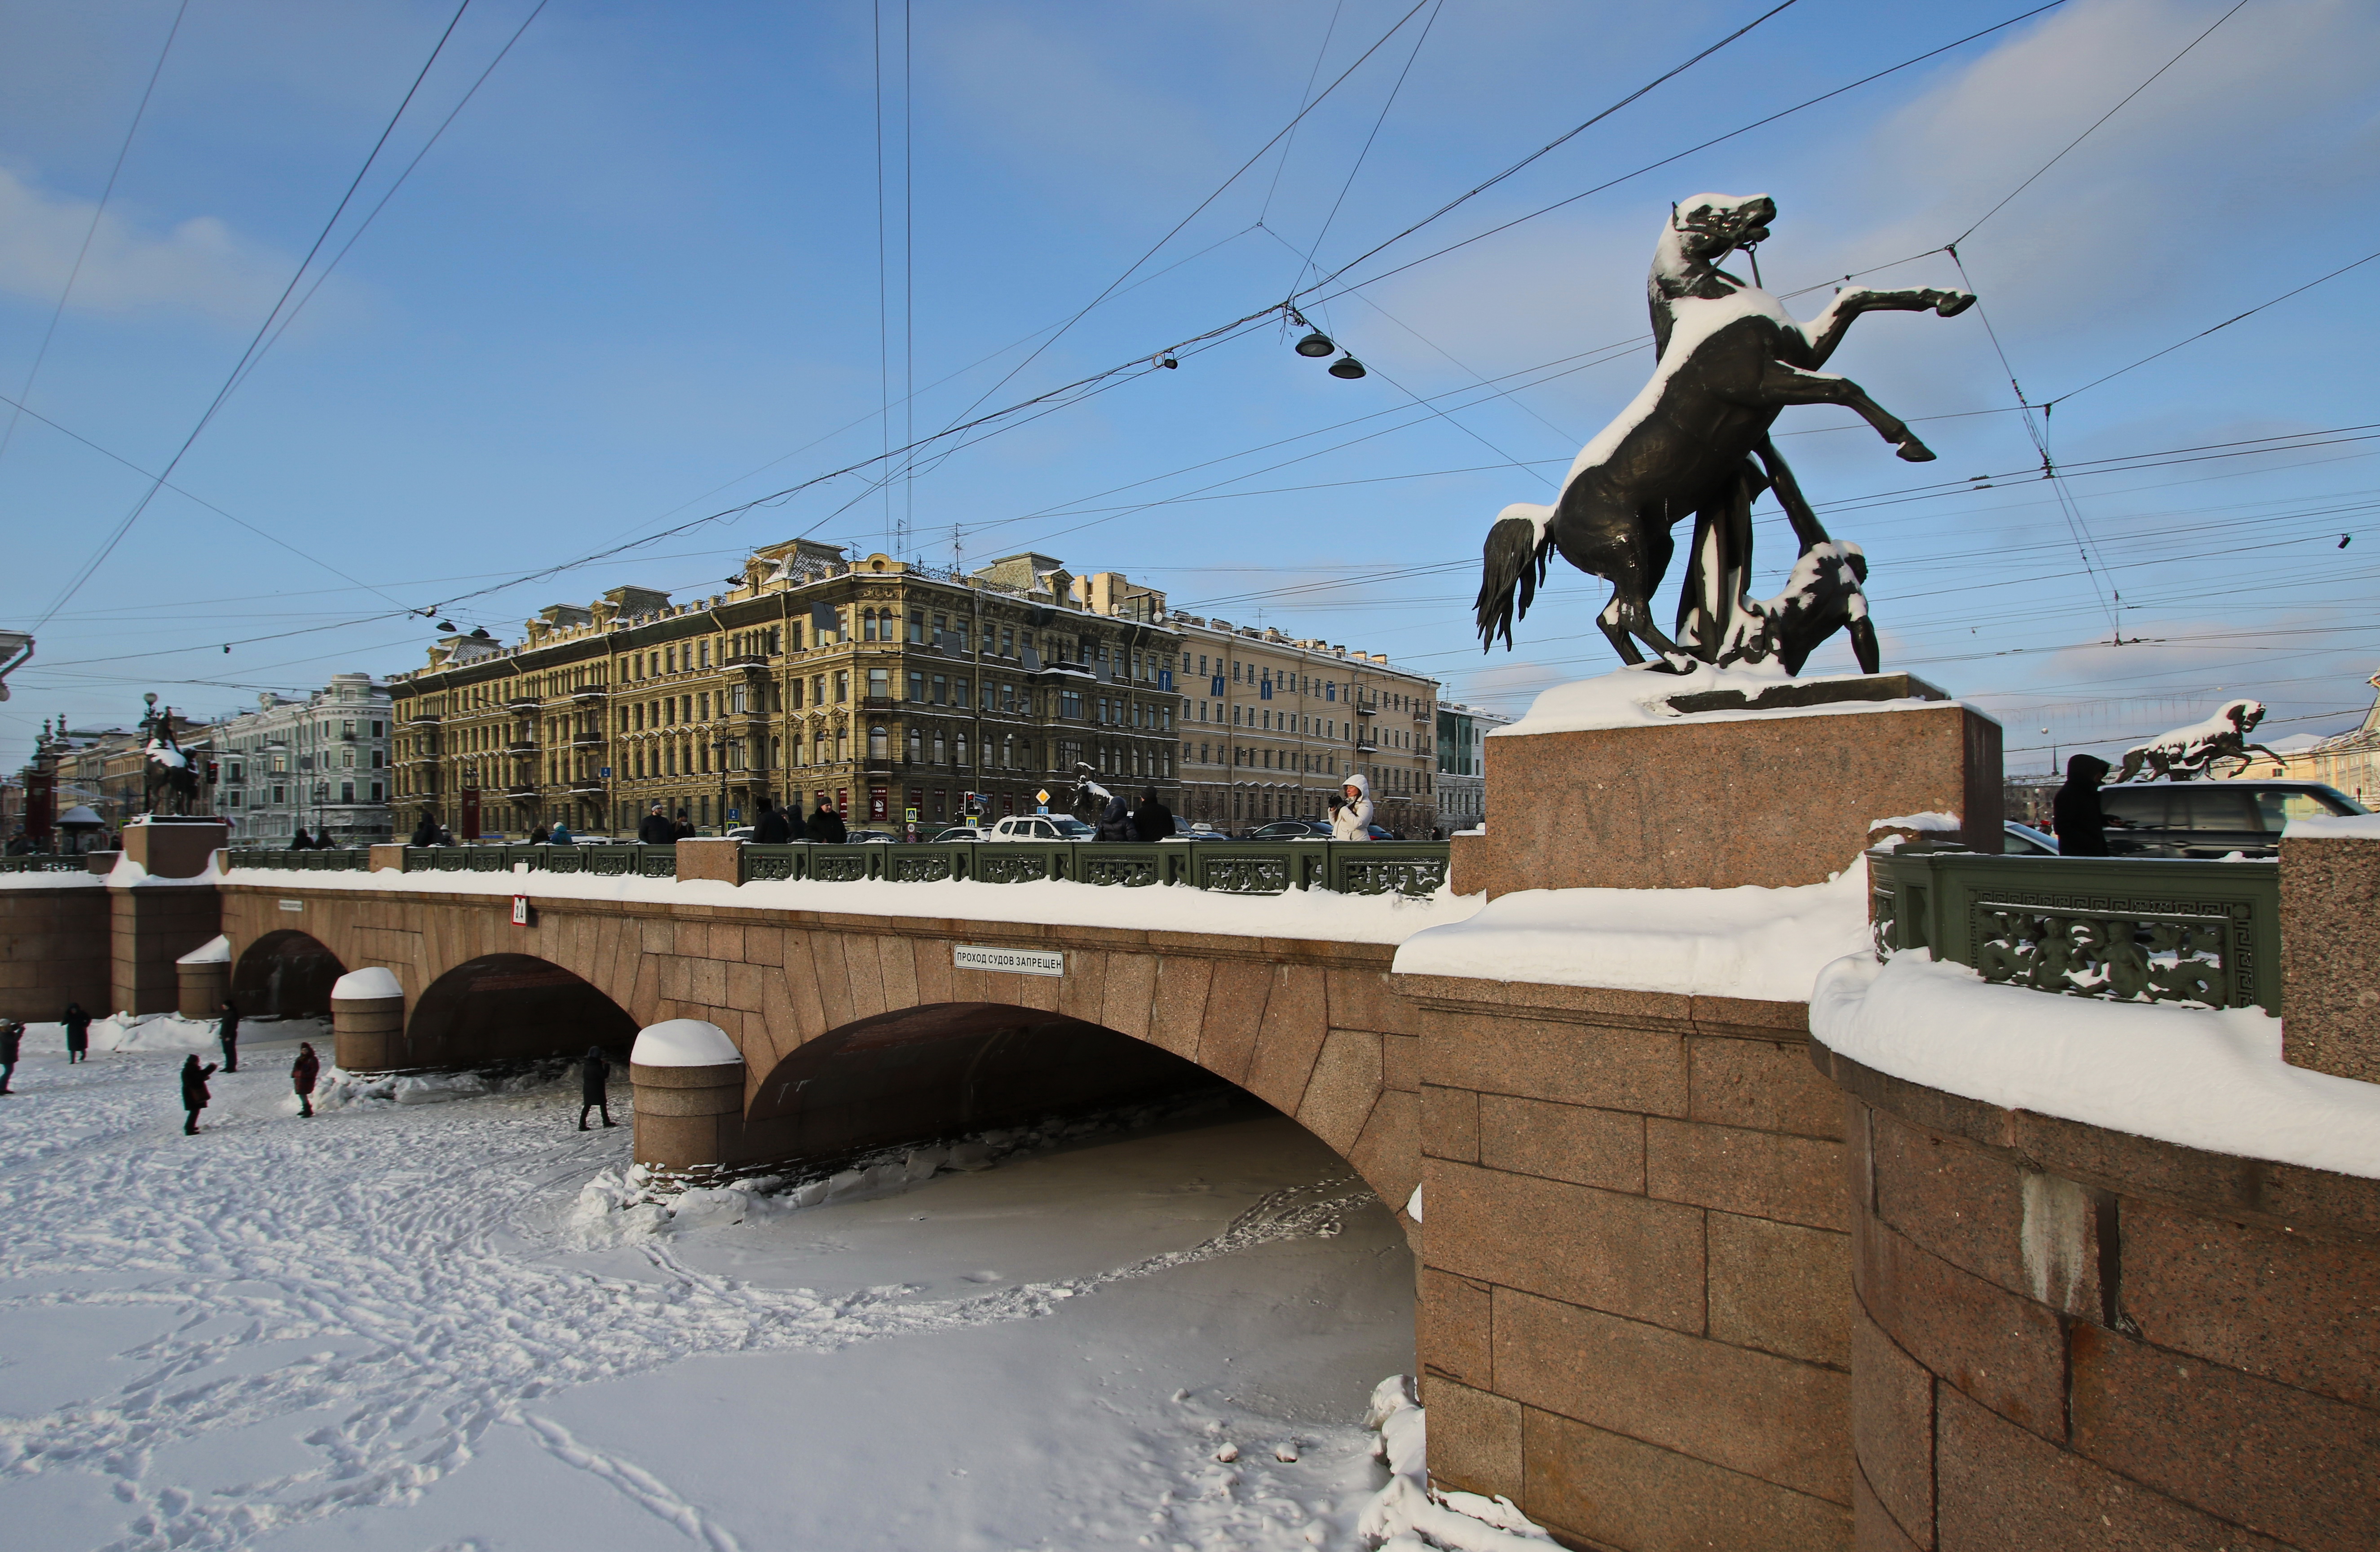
{"x": 1695, "y": 440}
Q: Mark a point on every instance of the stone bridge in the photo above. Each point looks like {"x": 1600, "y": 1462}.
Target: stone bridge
{"x": 1636, "y": 1255}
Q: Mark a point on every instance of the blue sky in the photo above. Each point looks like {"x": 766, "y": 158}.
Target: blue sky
{"x": 637, "y": 280}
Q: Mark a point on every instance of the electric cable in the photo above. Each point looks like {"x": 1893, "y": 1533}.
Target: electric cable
{"x": 125, "y": 526}
{"x": 107, "y": 192}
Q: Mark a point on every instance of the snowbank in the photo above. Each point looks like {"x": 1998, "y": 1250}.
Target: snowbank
{"x": 1638, "y": 696}
{"x": 129, "y": 874}
{"x": 1749, "y": 941}
{"x": 2205, "y": 1078}
{"x": 2334, "y": 827}
{"x": 371, "y": 981}
{"x": 80, "y": 879}
{"x": 1343, "y": 918}
{"x": 152, "y": 1032}
{"x": 684, "y": 1043}
{"x": 1405, "y": 1516}
{"x": 214, "y": 951}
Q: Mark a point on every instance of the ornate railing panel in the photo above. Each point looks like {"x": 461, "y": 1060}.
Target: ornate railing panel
{"x": 1245, "y": 869}
{"x": 771, "y": 864}
{"x": 921, "y": 865}
{"x": 47, "y": 861}
{"x": 1388, "y": 867}
{"x": 2153, "y": 929}
{"x": 843, "y": 865}
{"x": 1133, "y": 867}
{"x": 1002, "y": 864}
{"x": 616, "y": 862}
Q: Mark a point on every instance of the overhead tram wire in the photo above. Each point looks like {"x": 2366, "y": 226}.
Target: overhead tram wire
{"x": 1306, "y": 260}
{"x": 390, "y": 192}
{"x": 99, "y": 211}
{"x": 117, "y": 537}
{"x": 1304, "y": 100}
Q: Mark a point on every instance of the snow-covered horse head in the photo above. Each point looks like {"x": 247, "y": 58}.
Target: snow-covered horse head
{"x": 1731, "y": 360}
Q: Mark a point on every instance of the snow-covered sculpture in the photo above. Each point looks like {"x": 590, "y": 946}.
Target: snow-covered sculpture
{"x": 1695, "y": 440}
{"x": 2188, "y": 751}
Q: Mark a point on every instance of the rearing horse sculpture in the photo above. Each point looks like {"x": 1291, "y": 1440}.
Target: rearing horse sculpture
{"x": 1731, "y": 360}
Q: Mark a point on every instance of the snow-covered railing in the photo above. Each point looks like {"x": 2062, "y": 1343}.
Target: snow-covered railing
{"x": 44, "y": 862}
{"x": 610, "y": 862}
{"x": 333, "y": 860}
{"x": 2149, "y": 930}
{"x": 1415, "y": 867}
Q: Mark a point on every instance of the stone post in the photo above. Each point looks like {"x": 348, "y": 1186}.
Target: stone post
{"x": 713, "y": 857}
{"x": 689, "y": 1095}
{"x": 386, "y": 857}
{"x": 2330, "y": 947}
{"x": 204, "y": 978}
{"x": 368, "y": 1021}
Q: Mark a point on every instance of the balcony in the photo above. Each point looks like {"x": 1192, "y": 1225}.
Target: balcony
{"x": 744, "y": 660}
{"x": 596, "y": 694}
{"x": 521, "y": 746}
{"x": 878, "y": 703}
{"x": 1366, "y": 745}
{"x": 521, "y": 704}
{"x": 522, "y": 789}
{"x": 587, "y": 788}
{"x": 585, "y": 740}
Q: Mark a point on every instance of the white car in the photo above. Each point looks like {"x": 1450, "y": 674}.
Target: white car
{"x": 1040, "y": 827}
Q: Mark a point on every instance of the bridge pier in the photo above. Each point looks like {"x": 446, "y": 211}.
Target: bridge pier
{"x": 367, "y": 1019}
{"x": 204, "y": 979}
{"x": 688, "y": 1079}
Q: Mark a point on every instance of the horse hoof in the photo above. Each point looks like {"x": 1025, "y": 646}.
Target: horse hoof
{"x": 1954, "y": 303}
{"x": 1914, "y": 452}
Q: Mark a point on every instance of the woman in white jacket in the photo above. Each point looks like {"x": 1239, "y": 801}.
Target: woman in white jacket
{"x": 1354, "y": 819}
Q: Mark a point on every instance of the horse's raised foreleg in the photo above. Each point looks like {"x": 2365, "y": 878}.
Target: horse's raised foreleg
{"x": 1826, "y": 331}
{"x": 1783, "y": 384}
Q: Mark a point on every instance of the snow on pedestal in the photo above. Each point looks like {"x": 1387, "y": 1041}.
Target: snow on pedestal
{"x": 361, "y": 985}
{"x": 684, "y": 1043}
{"x": 214, "y": 951}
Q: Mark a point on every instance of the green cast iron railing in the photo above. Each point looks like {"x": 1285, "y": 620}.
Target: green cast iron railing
{"x": 2153, "y": 929}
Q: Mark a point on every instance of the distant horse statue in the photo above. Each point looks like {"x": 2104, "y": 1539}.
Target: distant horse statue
{"x": 2188, "y": 751}
{"x": 171, "y": 782}
{"x": 1695, "y": 440}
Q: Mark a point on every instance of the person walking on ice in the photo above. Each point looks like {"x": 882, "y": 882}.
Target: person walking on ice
{"x": 77, "y": 1024}
{"x": 229, "y": 1035}
{"x": 302, "y": 1073}
{"x": 12, "y": 1041}
{"x": 194, "y": 1091}
{"x": 591, "y": 1095}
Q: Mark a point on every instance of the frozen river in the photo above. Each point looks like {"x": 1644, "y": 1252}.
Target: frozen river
{"x": 390, "y": 1328}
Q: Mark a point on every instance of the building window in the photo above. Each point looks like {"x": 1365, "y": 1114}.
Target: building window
{"x": 879, "y": 744}
{"x": 960, "y": 746}
{"x": 916, "y": 745}
{"x": 918, "y": 688}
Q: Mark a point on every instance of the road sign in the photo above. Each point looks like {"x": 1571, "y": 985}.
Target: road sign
{"x": 604, "y": 771}
{"x": 1041, "y": 796}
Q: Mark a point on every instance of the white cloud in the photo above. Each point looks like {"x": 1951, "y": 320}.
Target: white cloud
{"x": 198, "y": 266}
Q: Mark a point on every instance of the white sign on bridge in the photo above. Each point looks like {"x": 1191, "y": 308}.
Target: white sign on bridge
{"x": 1015, "y": 962}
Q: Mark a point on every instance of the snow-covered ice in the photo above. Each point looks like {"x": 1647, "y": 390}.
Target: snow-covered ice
{"x": 377, "y": 1329}
{"x": 2204, "y": 1078}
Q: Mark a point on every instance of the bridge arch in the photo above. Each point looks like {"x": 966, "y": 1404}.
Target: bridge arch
{"x": 942, "y": 1069}
{"x": 502, "y": 1007}
{"x": 285, "y": 974}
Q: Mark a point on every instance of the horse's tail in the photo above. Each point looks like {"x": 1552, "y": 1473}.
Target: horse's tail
{"x": 1512, "y": 563}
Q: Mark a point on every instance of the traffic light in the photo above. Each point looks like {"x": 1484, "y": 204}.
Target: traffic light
{"x": 211, "y": 771}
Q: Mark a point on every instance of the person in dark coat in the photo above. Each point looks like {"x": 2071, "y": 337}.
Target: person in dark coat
{"x": 827, "y": 825}
{"x": 592, "y": 1070}
{"x": 228, "y": 1032}
{"x": 684, "y": 827}
{"x": 194, "y": 1091}
{"x": 426, "y": 833}
{"x": 774, "y": 829}
{"x": 77, "y": 1024}
{"x": 12, "y": 1041}
{"x": 1152, "y": 821}
{"x": 302, "y": 1073}
{"x": 1115, "y": 820}
{"x": 2075, "y": 814}
{"x": 538, "y": 836}
{"x": 302, "y": 842}
{"x": 655, "y": 829}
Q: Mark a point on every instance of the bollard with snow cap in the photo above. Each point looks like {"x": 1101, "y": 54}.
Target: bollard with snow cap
{"x": 368, "y": 1021}
{"x": 202, "y": 979}
{"x": 688, "y": 1080}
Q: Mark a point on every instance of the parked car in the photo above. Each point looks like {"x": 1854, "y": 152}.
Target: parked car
{"x": 1292, "y": 829}
{"x": 884, "y": 836}
{"x": 741, "y": 832}
{"x": 1202, "y": 830}
{"x": 2023, "y": 840}
{"x": 1042, "y": 826}
{"x": 969, "y": 832}
{"x": 2212, "y": 819}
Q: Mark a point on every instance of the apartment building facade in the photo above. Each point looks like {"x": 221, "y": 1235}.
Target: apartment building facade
{"x": 902, "y": 694}
{"x": 321, "y": 764}
{"x": 1461, "y": 762}
{"x": 1275, "y": 724}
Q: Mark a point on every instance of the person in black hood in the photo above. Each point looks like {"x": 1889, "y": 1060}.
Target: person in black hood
{"x": 77, "y": 1024}
{"x": 2074, "y": 814}
{"x": 826, "y": 825}
{"x": 1152, "y": 821}
{"x": 775, "y": 828}
{"x": 426, "y": 833}
{"x": 592, "y": 1070}
{"x": 194, "y": 1091}
{"x": 655, "y": 829}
